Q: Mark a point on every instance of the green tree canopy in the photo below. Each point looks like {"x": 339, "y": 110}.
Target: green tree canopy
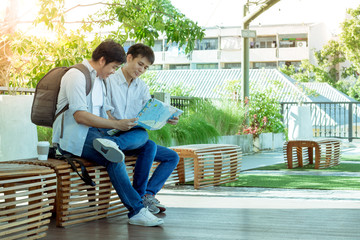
{"x": 139, "y": 20}
{"x": 350, "y": 37}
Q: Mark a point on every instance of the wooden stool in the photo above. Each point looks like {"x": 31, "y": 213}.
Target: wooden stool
{"x": 27, "y": 195}
{"x": 77, "y": 202}
{"x": 211, "y": 164}
{"x": 327, "y": 153}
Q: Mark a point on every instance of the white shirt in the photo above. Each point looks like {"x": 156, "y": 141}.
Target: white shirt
{"x": 97, "y": 96}
{"x": 126, "y": 100}
{"x": 72, "y": 92}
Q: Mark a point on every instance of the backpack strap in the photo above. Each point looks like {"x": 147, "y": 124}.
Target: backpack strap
{"x": 84, "y": 173}
{"x": 82, "y": 68}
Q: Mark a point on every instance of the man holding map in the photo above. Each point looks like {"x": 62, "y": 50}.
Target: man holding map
{"x": 128, "y": 94}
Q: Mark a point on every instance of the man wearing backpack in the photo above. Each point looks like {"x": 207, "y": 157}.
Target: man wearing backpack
{"x": 127, "y": 94}
{"x": 82, "y": 129}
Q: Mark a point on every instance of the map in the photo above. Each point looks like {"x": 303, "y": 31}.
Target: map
{"x": 155, "y": 114}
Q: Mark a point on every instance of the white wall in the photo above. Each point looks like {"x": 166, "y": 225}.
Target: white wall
{"x": 18, "y": 135}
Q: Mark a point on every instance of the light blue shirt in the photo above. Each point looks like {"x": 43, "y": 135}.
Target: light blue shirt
{"x": 127, "y": 101}
{"x": 72, "y": 92}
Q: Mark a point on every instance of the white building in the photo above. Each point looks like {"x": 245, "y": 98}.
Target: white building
{"x": 274, "y": 46}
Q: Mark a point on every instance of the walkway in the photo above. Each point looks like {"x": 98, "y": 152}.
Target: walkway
{"x": 238, "y": 213}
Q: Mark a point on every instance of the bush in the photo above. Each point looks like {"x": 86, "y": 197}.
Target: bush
{"x": 264, "y": 115}
{"x": 203, "y": 123}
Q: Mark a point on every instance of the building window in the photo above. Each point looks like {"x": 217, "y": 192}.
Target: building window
{"x": 296, "y": 64}
{"x": 172, "y": 46}
{"x": 231, "y": 43}
{"x": 127, "y": 45}
{"x": 156, "y": 67}
{"x": 232, "y": 66}
{"x": 266, "y": 65}
{"x": 207, "y": 66}
{"x": 263, "y": 42}
{"x": 207, "y": 44}
{"x": 179, "y": 66}
{"x": 158, "y": 47}
{"x": 293, "y": 40}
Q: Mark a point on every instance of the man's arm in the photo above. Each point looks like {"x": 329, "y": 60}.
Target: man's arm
{"x": 91, "y": 120}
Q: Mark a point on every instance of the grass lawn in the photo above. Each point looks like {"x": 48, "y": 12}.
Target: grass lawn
{"x": 303, "y": 181}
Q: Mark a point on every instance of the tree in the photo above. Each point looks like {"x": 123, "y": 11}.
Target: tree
{"x": 350, "y": 37}
{"x": 141, "y": 20}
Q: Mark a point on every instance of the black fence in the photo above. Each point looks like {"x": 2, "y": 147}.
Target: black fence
{"x": 330, "y": 119}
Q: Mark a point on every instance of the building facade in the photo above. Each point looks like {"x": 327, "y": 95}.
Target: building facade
{"x": 274, "y": 46}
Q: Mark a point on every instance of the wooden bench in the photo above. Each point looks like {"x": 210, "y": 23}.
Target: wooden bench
{"x": 208, "y": 164}
{"x": 27, "y": 195}
{"x": 298, "y": 153}
{"x": 77, "y": 202}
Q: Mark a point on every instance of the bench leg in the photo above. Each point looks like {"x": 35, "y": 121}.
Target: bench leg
{"x": 181, "y": 170}
{"x": 217, "y": 168}
{"x": 289, "y": 156}
{"x": 311, "y": 155}
{"x": 299, "y": 156}
{"x": 198, "y": 173}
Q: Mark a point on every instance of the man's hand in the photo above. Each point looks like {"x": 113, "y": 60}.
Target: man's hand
{"x": 173, "y": 121}
{"x": 126, "y": 124}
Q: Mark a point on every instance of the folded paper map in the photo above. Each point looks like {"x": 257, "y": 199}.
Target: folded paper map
{"x": 154, "y": 115}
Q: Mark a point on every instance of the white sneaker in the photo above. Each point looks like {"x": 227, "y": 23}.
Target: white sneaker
{"x": 146, "y": 219}
{"x": 109, "y": 149}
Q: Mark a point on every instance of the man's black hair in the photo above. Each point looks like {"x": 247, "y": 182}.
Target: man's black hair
{"x": 143, "y": 50}
{"x": 111, "y": 51}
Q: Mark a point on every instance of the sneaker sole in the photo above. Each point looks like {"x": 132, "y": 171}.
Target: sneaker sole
{"x": 111, "y": 154}
{"x": 146, "y": 224}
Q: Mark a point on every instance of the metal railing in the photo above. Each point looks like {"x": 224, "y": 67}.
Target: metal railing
{"x": 330, "y": 119}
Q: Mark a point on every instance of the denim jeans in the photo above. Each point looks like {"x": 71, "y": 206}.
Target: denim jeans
{"x": 168, "y": 160}
{"x": 133, "y": 139}
{"x": 133, "y": 143}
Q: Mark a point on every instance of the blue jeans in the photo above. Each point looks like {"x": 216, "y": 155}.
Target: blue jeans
{"x": 133, "y": 139}
{"x": 168, "y": 160}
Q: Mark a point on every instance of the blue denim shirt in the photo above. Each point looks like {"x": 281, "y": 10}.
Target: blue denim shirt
{"x": 72, "y": 91}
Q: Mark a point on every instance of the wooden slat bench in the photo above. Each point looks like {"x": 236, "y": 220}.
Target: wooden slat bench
{"x": 213, "y": 164}
{"x": 298, "y": 153}
{"x": 77, "y": 202}
{"x": 27, "y": 195}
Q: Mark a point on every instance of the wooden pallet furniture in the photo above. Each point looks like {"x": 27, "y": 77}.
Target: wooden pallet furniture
{"x": 77, "y": 202}
{"x": 298, "y": 153}
{"x": 27, "y": 195}
{"x": 213, "y": 164}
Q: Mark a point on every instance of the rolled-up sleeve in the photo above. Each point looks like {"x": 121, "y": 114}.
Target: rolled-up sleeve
{"x": 75, "y": 91}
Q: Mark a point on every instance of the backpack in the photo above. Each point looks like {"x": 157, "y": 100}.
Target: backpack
{"x": 44, "y": 108}
{"x": 46, "y": 95}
